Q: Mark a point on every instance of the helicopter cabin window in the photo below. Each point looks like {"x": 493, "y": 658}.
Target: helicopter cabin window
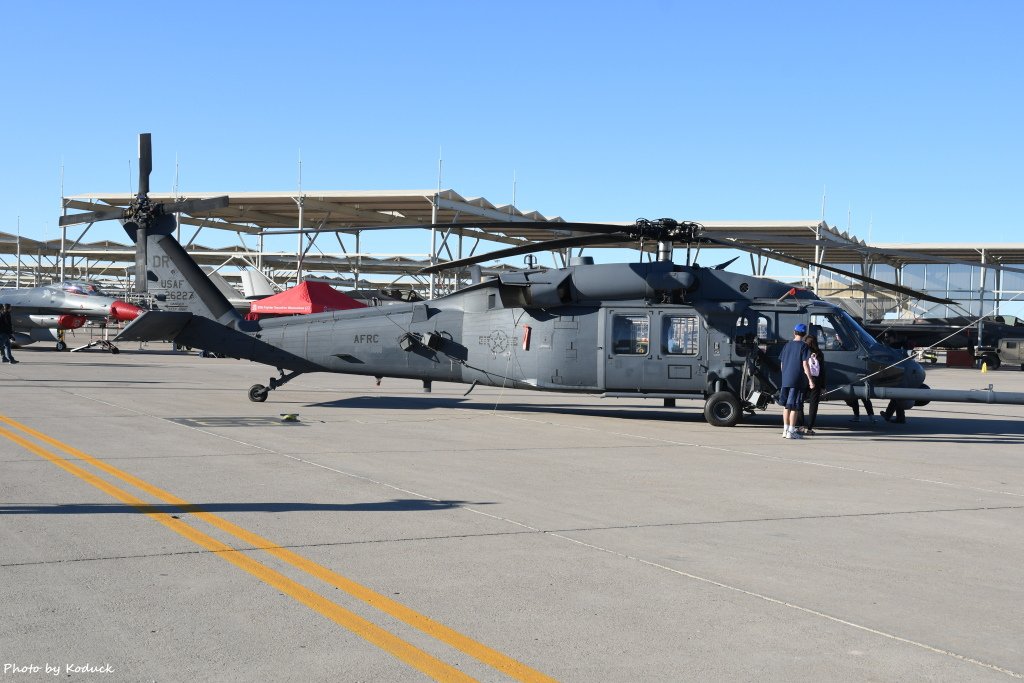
{"x": 751, "y": 329}
{"x": 680, "y": 334}
{"x": 631, "y": 334}
{"x": 832, "y": 334}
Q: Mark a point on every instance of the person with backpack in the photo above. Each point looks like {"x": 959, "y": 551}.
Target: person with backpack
{"x": 816, "y": 366}
{"x": 796, "y": 380}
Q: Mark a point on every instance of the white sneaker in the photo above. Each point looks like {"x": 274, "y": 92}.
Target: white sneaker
{"x": 787, "y": 435}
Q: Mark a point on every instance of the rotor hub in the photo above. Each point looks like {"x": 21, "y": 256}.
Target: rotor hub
{"x": 667, "y": 230}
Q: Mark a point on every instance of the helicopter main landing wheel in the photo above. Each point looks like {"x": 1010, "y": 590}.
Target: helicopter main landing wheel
{"x": 722, "y": 409}
{"x": 61, "y": 346}
{"x": 258, "y": 393}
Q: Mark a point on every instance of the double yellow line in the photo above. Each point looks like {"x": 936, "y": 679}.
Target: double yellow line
{"x": 408, "y": 653}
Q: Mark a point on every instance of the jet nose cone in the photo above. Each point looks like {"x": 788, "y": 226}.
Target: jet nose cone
{"x": 123, "y": 311}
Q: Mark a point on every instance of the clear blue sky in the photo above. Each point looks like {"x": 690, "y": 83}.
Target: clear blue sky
{"x": 908, "y": 114}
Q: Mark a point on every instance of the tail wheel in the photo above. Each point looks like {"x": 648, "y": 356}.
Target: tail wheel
{"x": 114, "y": 350}
{"x": 61, "y": 346}
{"x": 722, "y": 409}
{"x": 258, "y": 393}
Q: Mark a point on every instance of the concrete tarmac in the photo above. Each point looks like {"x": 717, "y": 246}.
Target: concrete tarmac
{"x": 157, "y": 525}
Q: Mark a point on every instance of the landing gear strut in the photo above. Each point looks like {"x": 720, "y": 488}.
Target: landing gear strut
{"x": 102, "y": 343}
{"x": 258, "y": 393}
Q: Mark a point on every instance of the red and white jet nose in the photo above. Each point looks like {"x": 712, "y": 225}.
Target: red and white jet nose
{"x": 123, "y": 311}
{"x": 70, "y": 322}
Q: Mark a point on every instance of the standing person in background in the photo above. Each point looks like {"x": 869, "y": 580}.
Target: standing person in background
{"x": 6, "y": 334}
{"x": 854, "y": 403}
{"x": 796, "y": 379}
{"x": 816, "y": 365}
{"x": 895, "y": 412}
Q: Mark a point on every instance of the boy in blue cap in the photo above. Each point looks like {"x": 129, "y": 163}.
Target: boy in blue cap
{"x": 796, "y": 379}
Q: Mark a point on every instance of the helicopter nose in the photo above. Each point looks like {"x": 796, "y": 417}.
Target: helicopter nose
{"x": 123, "y": 311}
{"x": 913, "y": 374}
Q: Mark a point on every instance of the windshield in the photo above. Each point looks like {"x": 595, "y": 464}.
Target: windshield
{"x": 854, "y": 328}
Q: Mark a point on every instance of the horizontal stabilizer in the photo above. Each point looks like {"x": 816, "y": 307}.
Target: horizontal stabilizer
{"x": 155, "y": 326}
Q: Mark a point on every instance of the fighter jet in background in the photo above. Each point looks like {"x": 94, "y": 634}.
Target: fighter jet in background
{"x": 44, "y": 313}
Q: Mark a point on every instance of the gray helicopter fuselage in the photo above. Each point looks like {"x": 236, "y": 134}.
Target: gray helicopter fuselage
{"x": 592, "y": 343}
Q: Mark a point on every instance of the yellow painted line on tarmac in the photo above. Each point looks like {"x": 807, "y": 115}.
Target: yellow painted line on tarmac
{"x": 390, "y": 643}
{"x": 465, "y": 644}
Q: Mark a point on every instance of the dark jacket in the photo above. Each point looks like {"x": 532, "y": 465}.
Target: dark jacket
{"x": 6, "y": 325}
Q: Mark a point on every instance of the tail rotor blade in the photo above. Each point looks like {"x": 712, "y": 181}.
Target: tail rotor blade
{"x": 91, "y": 217}
{"x": 194, "y": 206}
{"x": 145, "y": 162}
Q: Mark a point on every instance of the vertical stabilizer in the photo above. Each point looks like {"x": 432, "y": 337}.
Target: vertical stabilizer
{"x": 255, "y": 284}
{"x": 178, "y": 283}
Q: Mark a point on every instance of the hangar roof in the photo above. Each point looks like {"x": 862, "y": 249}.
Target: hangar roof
{"x": 346, "y": 211}
{"x": 353, "y": 211}
{"x": 994, "y": 252}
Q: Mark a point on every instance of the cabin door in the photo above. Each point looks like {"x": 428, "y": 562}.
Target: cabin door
{"x": 654, "y": 350}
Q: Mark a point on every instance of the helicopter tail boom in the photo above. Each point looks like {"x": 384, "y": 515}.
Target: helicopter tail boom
{"x": 196, "y": 331}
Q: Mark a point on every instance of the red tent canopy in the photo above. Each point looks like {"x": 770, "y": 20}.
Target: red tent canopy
{"x": 309, "y": 297}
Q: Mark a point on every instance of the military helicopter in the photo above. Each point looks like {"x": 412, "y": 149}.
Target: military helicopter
{"x": 44, "y": 313}
{"x": 656, "y": 330}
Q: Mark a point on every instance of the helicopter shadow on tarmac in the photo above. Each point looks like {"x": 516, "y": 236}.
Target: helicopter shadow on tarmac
{"x": 460, "y": 403}
{"x": 395, "y": 505}
{"x": 926, "y": 428}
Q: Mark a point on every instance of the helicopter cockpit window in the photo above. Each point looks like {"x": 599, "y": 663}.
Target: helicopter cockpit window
{"x": 832, "y": 334}
{"x": 680, "y": 334}
{"x": 631, "y": 334}
{"x": 856, "y": 331}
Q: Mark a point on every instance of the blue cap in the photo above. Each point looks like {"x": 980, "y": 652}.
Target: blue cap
{"x": 801, "y": 328}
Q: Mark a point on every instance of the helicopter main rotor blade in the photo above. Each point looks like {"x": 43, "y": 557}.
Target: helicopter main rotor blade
{"x": 881, "y": 284}
{"x": 91, "y": 216}
{"x": 548, "y": 245}
{"x": 862, "y": 248}
{"x": 596, "y": 228}
{"x": 145, "y": 162}
{"x": 194, "y": 206}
